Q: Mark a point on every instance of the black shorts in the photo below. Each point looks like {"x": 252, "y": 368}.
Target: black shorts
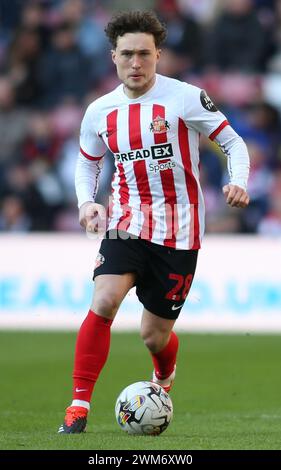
{"x": 164, "y": 275}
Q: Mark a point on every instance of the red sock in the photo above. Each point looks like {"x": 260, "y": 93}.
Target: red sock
{"x": 92, "y": 348}
{"x": 165, "y": 360}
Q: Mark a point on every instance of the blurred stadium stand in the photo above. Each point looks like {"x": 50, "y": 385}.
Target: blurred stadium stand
{"x": 54, "y": 60}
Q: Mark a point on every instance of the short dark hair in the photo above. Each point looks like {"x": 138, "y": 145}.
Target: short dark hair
{"x": 136, "y": 22}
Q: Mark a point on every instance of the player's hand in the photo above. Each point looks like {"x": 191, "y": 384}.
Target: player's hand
{"x": 92, "y": 217}
{"x": 235, "y": 196}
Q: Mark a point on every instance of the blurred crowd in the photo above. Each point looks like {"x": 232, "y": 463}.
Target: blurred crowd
{"x": 55, "y": 60}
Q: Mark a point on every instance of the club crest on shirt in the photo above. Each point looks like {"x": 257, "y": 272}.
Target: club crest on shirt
{"x": 100, "y": 259}
{"x": 159, "y": 125}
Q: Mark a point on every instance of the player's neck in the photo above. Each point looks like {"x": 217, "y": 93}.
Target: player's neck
{"x": 134, "y": 94}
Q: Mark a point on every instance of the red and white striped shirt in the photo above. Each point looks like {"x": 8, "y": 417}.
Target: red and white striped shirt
{"x": 156, "y": 192}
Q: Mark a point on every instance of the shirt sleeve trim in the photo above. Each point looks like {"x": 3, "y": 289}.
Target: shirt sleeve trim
{"x": 219, "y": 129}
{"x": 89, "y": 156}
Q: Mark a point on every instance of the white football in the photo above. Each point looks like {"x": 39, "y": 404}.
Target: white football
{"x": 144, "y": 408}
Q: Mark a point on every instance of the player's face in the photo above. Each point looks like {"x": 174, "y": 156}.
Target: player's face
{"x": 136, "y": 57}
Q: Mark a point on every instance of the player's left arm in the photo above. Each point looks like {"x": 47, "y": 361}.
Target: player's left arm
{"x": 238, "y": 163}
{"x": 236, "y": 196}
{"x": 201, "y": 113}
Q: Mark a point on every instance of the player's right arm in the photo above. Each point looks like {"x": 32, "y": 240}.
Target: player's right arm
{"x": 92, "y": 216}
{"x": 88, "y": 169}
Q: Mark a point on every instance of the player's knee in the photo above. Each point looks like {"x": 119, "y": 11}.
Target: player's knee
{"x": 105, "y": 305}
{"x": 153, "y": 340}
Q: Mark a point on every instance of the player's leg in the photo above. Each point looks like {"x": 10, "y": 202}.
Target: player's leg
{"x": 163, "y": 290}
{"x": 117, "y": 265}
{"x": 155, "y": 331}
{"x": 92, "y": 346}
{"x": 93, "y": 340}
{"x": 162, "y": 342}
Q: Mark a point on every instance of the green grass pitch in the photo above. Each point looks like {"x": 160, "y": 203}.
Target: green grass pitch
{"x": 227, "y": 393}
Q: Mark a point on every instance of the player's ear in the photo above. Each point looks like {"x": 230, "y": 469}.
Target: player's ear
{"x": 113, "y": 55}
{"x": 158, "y": 54}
